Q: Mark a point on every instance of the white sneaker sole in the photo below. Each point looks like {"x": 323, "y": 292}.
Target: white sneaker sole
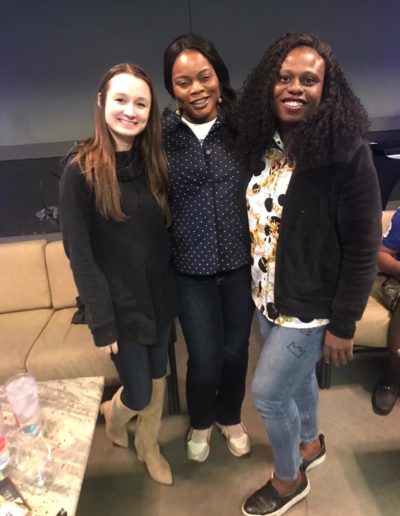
{"x": 235, "y": 451}
{"x": 316, "y": 463}
{"x": 239, "y": 455}
{"x": 204, "y": 445}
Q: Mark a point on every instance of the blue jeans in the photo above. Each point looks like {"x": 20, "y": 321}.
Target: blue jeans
{"x": 285, "y": 390}
{"x": 216, "y": 318}
{"x": 138, "y": 365}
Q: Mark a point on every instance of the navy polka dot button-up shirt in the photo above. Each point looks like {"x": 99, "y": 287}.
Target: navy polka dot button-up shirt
{"x": 209, "y": 229}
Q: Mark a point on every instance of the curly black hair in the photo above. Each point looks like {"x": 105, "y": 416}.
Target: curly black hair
{"x": 339, "y": 119}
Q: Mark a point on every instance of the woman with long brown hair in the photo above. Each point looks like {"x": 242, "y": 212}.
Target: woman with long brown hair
{"x": 114, "y": 216}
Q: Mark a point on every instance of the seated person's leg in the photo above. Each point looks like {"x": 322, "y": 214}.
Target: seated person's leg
{"x": 387, "y": 389}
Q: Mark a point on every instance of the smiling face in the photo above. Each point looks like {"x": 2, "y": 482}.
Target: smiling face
{"x": 298, "y": 90}
{"x": 196, "y": 86}
{"x": 127, "y": 108}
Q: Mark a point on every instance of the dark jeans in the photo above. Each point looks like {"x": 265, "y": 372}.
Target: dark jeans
{"x": 137, "y": 365}
{"x": 216, "y": 318}
{"x": 392, "y": 375}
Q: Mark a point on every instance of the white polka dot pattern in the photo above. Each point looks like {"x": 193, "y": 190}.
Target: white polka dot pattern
{"x": 208, "y": 230}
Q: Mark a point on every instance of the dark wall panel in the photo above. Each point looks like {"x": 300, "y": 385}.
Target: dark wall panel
{"x": 27, "y": 187}
{"x": 53, "y": 52}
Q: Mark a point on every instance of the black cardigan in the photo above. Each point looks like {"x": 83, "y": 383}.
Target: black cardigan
{"x": 328, "y": 240}
{"x": 123, "y": 270}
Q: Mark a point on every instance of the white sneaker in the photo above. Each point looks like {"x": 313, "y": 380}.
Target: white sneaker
{"x": 197, "y": 444}
{"x": 237, "y": 439}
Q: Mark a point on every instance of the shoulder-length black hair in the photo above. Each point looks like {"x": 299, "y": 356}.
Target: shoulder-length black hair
{"x": 205, "y": 47}
{"x": 340, "y": 118}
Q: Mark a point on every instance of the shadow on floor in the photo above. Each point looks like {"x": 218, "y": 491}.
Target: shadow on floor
{"x": 381, "y": 470}
{"x": 364, "y": 370}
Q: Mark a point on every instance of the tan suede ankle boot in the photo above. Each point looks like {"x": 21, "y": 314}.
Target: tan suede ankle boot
{"x": 146, "y": 436}
{"x": 117, "y": 415}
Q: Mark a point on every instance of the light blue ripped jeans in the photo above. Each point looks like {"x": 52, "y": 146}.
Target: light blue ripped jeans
{"x": 285, "y": 390}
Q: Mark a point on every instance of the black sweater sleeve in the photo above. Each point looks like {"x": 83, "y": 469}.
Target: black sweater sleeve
{"x": 359, "y": 224}
{"x": 75, "y": 211}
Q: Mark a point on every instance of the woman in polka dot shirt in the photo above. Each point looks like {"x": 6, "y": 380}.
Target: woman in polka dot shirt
{"x": 210, "y": 243}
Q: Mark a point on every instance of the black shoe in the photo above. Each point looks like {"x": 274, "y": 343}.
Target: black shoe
{"x": 268, "y": 502}
{"x": 306, "y": 465}
{"x": 384, "y": 397}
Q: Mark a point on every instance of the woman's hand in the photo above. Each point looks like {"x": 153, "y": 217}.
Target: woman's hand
{"x": 337, "y": 350}
{"x": 111, "y": 348}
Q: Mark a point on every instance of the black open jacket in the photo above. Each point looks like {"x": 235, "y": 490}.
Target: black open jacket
{"x": 328, "y": 240}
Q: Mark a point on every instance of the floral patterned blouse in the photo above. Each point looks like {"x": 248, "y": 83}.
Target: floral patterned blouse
{"x": 265, "y": 200}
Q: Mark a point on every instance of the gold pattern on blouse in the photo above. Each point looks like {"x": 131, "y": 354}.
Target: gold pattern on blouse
{"x": 266, "y": 194}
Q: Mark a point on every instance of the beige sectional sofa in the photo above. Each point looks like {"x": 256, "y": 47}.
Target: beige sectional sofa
{"x": 37, "y": 302}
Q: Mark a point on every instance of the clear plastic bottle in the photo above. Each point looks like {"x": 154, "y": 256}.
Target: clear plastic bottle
{"x": 4, "y": 454}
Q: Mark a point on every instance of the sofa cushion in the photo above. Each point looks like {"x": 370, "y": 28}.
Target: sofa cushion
{"x": 24, "y": 284}
{"x": 18, "y": 332}
{"x": 66, "y": 350}
{"x": 62, "y": 285}
{"x": 372, "y": 329}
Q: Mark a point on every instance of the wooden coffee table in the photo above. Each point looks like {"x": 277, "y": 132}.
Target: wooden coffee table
{"x": 69, "y": 410}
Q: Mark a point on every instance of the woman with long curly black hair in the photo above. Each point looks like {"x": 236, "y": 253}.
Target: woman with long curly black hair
{"x": 314, "y": 215}
{"x": 340, "y": 118}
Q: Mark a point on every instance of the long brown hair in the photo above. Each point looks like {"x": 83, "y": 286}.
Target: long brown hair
{"x": 96, "y": 156}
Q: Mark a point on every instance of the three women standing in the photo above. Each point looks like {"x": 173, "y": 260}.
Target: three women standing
{"x": 113, "y": 201}
{"x": 210, "y": 243}
{"x": 314, "y": 216}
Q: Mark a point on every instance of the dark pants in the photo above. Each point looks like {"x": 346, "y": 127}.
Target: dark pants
{"x": 138, "y": 365}
{"x": 216, "y": 318}
{"x": 392, "y": 375}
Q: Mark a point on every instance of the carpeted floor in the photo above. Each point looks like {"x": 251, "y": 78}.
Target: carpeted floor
{"x": 361, "y": 476}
